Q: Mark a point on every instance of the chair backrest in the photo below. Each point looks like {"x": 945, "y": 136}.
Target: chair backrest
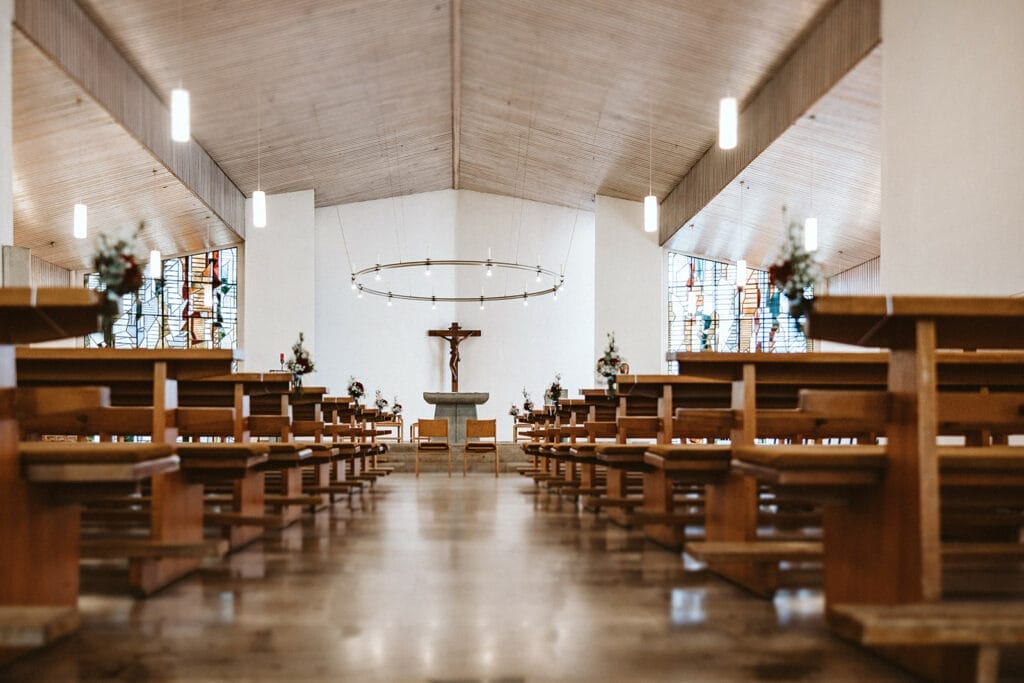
{"x": 476, "y": 429}
{"x": 433, "y": 428}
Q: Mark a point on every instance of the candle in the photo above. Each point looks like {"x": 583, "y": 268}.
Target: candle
{"x": 282, "y": 358}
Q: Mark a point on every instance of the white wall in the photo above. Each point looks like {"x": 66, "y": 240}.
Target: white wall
{"x": 629, "y": 287}
{"x": 952, "y": 147}
{"x": 6, "y": 142}
{"x": 280, "y": 284}
{"x": 389, "y": 348}
{"x": 526, "y": 346}
{"x": 384, "y": 347}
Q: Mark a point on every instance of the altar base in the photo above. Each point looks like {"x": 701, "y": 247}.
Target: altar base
{"x": 456, "y": 407}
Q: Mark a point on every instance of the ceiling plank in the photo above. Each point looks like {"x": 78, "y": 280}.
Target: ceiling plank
{"x": 64, "y": 32}
{"x": 843, "y": 37}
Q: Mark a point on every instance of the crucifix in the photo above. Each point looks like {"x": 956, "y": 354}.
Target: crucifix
{"x": 454, "y": 336}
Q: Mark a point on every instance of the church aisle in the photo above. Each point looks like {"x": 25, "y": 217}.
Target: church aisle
{"x": 443, "y": 579}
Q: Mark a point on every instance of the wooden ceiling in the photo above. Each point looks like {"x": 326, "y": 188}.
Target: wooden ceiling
{"x": 354, "y": 99}
{"x": 67, "y": 149}
{"x": 828, "y": 163}
{"x": 556, "y": 97}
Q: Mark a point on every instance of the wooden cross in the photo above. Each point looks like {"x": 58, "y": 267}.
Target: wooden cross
{"x": 454, "y": 336}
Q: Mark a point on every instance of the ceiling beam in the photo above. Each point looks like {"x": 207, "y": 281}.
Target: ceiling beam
{"x": 68, "y": 36}
{"x": 846, "y": 33}
{"x": 456, "y": 33}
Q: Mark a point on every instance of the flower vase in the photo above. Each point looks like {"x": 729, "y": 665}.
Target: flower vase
{"x": 611, "y": 388}
{"x": 528, "y": 406}
{"x": 297, "y": 381}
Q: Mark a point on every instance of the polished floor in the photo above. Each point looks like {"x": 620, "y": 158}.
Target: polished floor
{"x": 443, "y": 580}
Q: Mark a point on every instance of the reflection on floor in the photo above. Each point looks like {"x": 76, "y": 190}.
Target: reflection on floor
{"x": 443, "y": 579}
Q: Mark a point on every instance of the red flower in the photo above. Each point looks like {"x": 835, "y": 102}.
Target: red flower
{"x": 132, "y": 275}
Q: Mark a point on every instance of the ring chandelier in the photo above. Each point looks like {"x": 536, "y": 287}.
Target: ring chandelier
{"x": 361, "y": 283}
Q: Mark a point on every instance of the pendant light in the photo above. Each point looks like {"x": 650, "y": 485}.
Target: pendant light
{"x": 811, "y": 235}
{"x": 811, "y": 223}
{"x": 156, "y": 265}
{"x": 181, "y": 128}
{"x": 81, "y": 225}
{"x": 728, "y": 121}
{"x": 80, "y": 215}
{"x": 259, "y": 198}
{"x": 650, "y": 201}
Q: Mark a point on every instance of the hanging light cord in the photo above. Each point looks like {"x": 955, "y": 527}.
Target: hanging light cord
{"x": 259, "y": 123}
{"x": 348, "y": 254}
{"x": 650, "y": 151}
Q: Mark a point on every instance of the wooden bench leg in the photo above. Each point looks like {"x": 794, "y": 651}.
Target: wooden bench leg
{"x": 176, "y": 515}
{"x": 38, "y": 538}
{"x": 731, "y": 515}
{"x": 248, "y": 495}
{"x": 658, "y": 499}
{"x": 616, "y": 488}
{"x": 291, "y": 486}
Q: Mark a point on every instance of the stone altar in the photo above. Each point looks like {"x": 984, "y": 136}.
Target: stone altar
{"x": 456, "y": 407}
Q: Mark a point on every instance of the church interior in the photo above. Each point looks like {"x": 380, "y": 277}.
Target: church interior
{"x": 532, "y": 340}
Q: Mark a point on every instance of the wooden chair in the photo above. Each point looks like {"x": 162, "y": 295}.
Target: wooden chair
{"x": 481, "y": 429}
{"x": 432, "y": 429}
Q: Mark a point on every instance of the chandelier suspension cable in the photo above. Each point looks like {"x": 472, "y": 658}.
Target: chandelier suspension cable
{"x": 348, "y": 254}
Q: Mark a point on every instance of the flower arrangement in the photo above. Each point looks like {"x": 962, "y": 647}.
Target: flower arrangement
{"x": 300, "y": 363}
{"x": 355, "y": 389}
{"x": 396, "y": 407}
{"x": 379, "y": 400}
{"x": 794, "y": 273}
{"x": 527, "y": 401}
{"x": 120, "y": 274}
{"x": 611, "y": 364}
{"x": 554, "y": 392}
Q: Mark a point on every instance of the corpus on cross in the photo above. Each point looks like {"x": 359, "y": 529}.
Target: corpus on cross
{"x": 454, "y": 336}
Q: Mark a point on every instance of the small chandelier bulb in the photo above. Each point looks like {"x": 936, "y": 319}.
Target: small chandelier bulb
{"x": 389, "y": 298}
{"x": 481, "y": 303}
{"x": 360, "y": 295}
{"x": 426, "y": 271}
{"x": 433, "y": 303}
{"x": 526, "y": 300}
{"x": 353, "y": 282}
{"x": 376, "y": 274}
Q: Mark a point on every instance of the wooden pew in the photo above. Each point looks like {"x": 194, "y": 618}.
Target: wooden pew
{"x": 149, "y": 377}
{"x": 885, "y": 540}
{"x": 41, "y": 485}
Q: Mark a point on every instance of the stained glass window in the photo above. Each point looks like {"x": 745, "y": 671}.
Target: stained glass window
{"x": 708, "y": 312}
{"x": 195, "y": 306}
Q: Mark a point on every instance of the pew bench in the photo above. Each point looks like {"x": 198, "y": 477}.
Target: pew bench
{"x": 968, "y": 634}
{"x": 77, "y": 471}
